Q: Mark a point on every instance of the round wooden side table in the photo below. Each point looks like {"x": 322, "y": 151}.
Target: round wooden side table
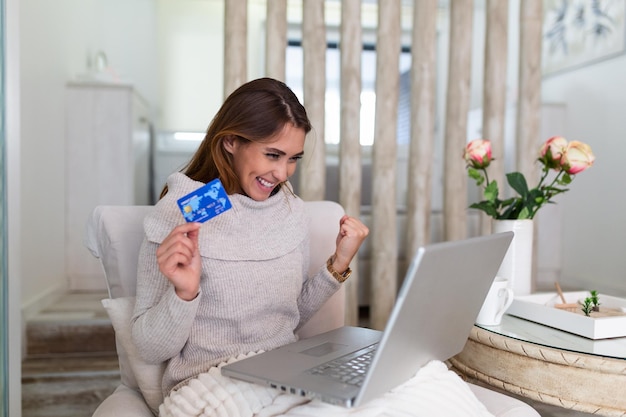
{"x": 548, "y": 365}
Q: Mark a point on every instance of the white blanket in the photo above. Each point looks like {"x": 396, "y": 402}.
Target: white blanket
{"x": 433, "y": 391}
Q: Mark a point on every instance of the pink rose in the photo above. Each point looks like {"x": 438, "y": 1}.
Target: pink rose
{"x": 478, "y": 153}
{"x": 577, "y": 157}
{"x": 551, "y": 152}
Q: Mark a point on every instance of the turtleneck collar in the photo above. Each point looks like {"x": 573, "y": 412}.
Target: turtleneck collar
{"x": 250, "y": 230}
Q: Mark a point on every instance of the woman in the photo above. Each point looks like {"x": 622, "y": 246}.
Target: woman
{"x": 237, "y": 283}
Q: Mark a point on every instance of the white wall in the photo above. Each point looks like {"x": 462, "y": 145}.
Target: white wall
{"x": 57, "y": 41}
{"x": 191, "y": 55}
{"x": 190, "y": 59}
{"x": 594, "y": 229}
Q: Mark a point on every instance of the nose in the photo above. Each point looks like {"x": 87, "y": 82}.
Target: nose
{"x": 282, "y": 172}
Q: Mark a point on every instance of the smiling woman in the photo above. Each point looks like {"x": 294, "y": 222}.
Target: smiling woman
{"x": 240, "y": 282}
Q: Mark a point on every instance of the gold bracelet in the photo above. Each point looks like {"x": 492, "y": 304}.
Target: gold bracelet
{"x": 339, "y": 277}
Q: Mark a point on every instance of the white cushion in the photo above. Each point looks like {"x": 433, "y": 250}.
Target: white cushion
{"x": 148, "y": 376}
{"x": 114, "y": 234}
{"x": 124, "y": 402}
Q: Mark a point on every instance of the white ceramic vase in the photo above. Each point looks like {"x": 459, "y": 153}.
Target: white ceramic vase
{"x": 518, "y": 261}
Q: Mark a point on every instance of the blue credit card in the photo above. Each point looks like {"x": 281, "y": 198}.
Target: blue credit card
{"x": 205, "y": 203}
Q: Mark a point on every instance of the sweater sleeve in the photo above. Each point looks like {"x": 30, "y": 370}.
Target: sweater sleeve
{"x": 316, "y": 289}
{"x": 162, "y": 321}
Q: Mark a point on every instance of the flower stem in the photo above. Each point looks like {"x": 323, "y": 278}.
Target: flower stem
{"x": 486, "y": 176}
{"x": 548, "y": 194}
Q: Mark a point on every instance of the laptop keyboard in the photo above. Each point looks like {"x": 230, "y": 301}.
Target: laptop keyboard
{"x": 349, "y": 369}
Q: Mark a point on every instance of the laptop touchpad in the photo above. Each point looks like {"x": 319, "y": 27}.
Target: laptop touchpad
{"x": 323, "y": 349}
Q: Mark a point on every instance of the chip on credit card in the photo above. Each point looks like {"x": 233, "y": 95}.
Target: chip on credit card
{"x": 205, "y": 203}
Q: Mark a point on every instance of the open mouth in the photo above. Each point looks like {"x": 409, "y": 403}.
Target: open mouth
{"x": 265, "y": 184}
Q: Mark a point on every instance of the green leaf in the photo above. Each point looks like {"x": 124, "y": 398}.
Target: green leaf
{"x": 555, "y": 190}
{"x": 517, "y": 181}
{"x": 476, "y": 175}
{"x": 524, "y": 214}
{"x": 514, "y": 206}
{"x": 491, "y": 191}
{"x": 487, "y": 207}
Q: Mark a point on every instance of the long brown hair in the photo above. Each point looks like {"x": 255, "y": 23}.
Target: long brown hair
{"x": 255, "y": 112}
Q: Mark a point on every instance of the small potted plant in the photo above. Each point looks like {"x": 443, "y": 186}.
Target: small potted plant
{"x": 594, "y": 300}
{"x": 587, "y": 306}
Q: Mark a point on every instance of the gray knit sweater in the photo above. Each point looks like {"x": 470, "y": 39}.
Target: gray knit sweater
{"x": 254, "y": 289}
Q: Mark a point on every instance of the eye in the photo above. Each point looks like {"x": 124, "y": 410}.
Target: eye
{"x": 273, "y": 156}
{"x": 296, "y": 158}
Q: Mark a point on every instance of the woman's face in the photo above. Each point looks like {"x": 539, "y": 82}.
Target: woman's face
{"x": 261, "y": 167}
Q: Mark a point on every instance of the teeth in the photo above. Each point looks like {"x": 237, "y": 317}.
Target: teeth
{"x": 265, "y": 183}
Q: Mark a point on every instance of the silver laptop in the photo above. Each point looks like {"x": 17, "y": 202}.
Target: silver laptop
{"x": 436, "y": 307}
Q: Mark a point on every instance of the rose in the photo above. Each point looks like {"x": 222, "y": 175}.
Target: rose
{"x": 577, "y": 157}
{"x": 556, "y": 154}
{"x": 478, "y": 153}
{"x": 573, "y": 157}
{"x": 552, "y": 150}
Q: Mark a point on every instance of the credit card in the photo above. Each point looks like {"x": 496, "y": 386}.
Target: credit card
{"x": 205, "y": 203}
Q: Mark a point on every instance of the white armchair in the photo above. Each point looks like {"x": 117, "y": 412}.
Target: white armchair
{"x": 114, "y": 235}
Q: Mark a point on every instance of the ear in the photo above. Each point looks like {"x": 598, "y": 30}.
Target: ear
{"x": 229, "y": 143}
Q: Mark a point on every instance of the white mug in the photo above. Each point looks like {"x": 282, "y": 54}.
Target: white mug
{"x": 499, "y": 298}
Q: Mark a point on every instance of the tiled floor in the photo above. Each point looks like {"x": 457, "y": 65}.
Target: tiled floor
{"x": 55, "y": 385}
